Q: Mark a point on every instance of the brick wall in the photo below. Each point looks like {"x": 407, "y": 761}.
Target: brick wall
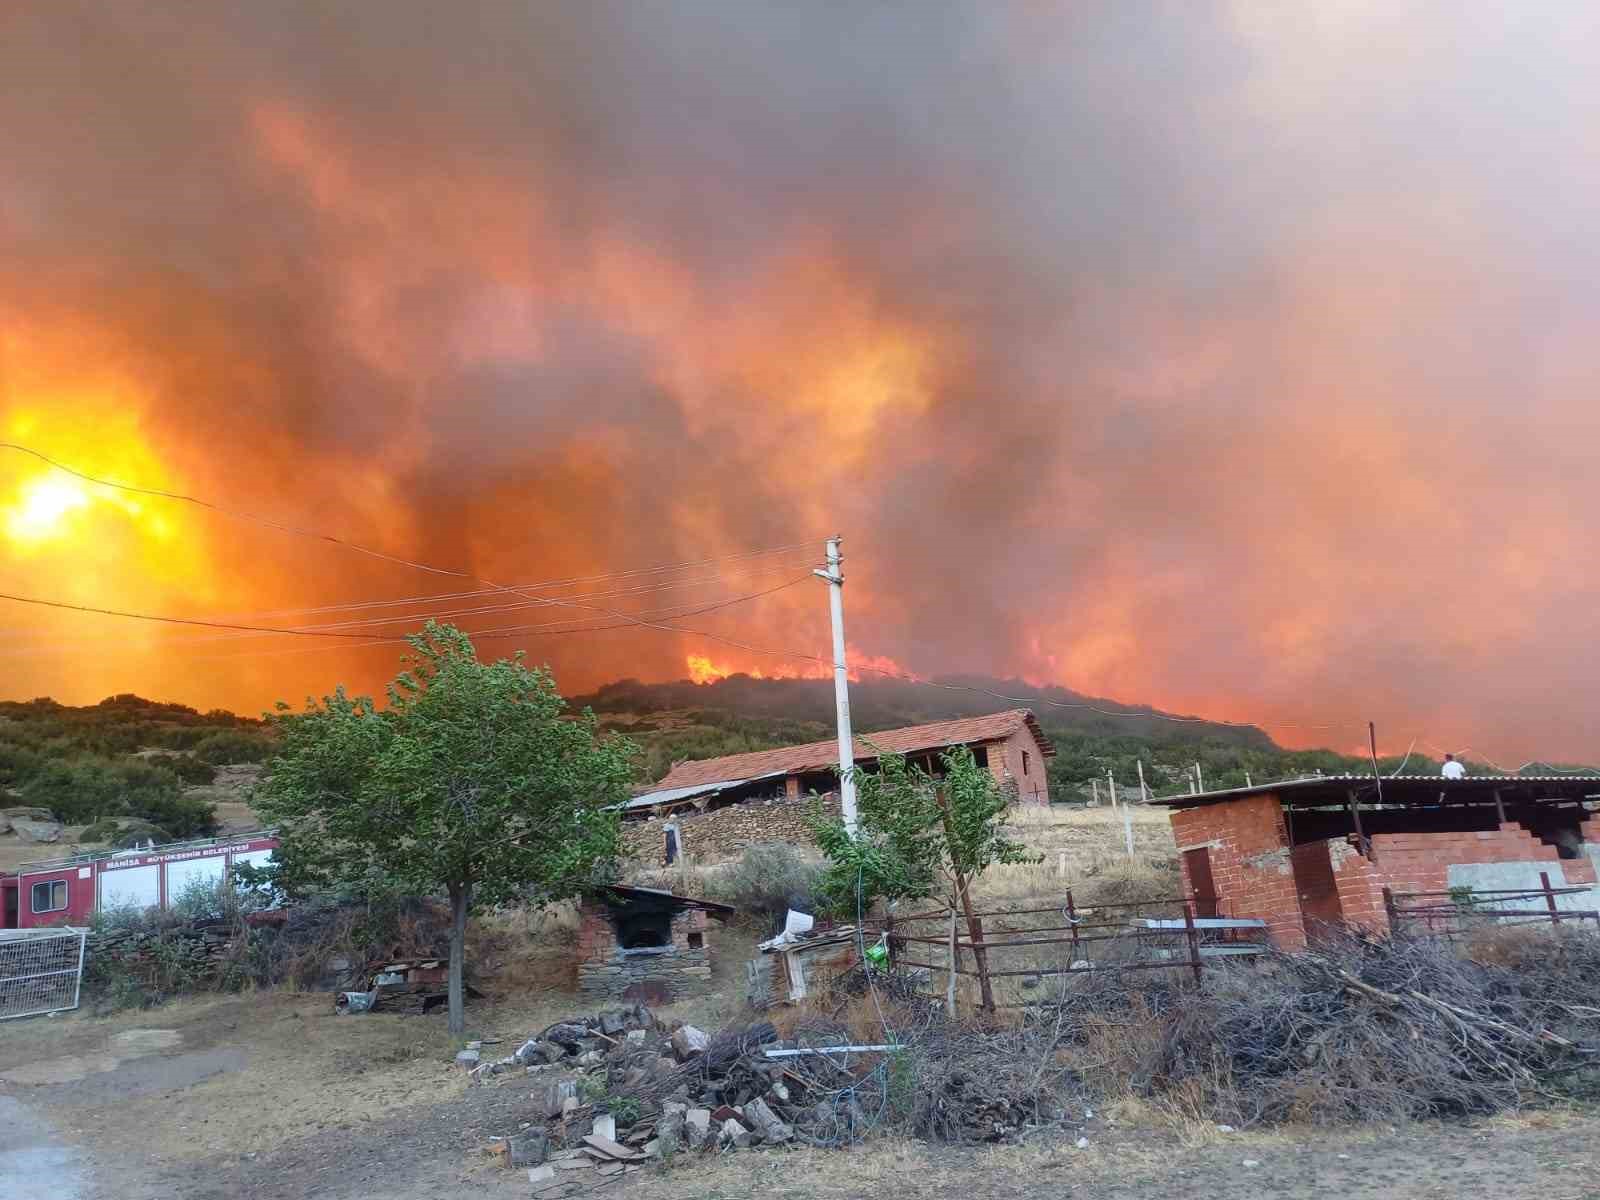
{"x": 724, "y": 833}
{"x": 1006, "y": 763}
{"x": 1251, "y": 866}
{"x": 1256, "y": 875}
{"x": 1421, "y": 862}
{"x": 1360, "y": 885}
{"x": 606, "y": 969}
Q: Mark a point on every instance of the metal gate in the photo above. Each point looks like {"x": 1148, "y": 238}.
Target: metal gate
{"x": 41, "y": 970}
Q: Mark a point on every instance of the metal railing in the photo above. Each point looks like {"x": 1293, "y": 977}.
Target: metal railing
{"x": 1099, "y": 937}
{"x": 89, "y": 856}
{"x": 1459, "y": 909}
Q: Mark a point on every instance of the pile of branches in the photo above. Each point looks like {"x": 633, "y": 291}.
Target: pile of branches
{"x": 1359, "y": 1031}
{"x": 952, "y": 1081}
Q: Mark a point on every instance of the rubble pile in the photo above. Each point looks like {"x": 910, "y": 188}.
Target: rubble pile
{"x": 619, "y": 1090}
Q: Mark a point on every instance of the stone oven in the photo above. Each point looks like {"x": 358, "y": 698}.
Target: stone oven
{"x": 643, "y": 944}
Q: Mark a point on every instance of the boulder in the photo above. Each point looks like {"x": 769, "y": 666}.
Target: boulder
{"x": 689, "y": 1042}
{"x": 768, "y": 1124}
{"x": 27, "y": 813}
{"x": 669, "y": 1129}
{"x": 36, "y": 831}
{"x": 529, "y": 1149}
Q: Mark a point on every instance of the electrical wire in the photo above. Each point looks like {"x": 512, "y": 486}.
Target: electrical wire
{"x": 789, "y": 562}
{"x": 409, "y": 617}
{"x": 545, "y": 601}
{"x": 239, "y": 514}
{"x": 366, "y": 638}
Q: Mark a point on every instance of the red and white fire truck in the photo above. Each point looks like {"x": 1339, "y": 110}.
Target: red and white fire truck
{"x": 67, "y": 891}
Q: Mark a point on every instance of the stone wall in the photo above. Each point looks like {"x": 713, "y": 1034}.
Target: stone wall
{"x": 654, "y": 974}
{"x": 723, "y": 833}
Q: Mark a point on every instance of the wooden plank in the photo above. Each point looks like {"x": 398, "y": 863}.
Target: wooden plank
{"x": 606, "y": 1147}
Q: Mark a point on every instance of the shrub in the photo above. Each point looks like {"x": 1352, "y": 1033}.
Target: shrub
{"x": 186, "y": 767}
{"x": 768, "y": 879}
{"x": 231, "y": 747}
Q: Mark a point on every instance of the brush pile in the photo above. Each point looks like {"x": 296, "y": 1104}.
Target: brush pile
{"x": 615, "y": 1091}
{"x": 1360, "y": 1031}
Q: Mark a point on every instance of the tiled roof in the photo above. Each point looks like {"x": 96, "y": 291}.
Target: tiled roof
{"x": 819, "y": 756}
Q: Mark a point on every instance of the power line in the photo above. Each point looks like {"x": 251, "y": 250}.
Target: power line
{"x": 164, "y": 620}
{"x": 365, "y": 638}
{"x": 545, "y": 601}
{"x": 765, "y": 569}
{"x": 751, "y": 569}
{"x": 349, "y": 545}
{"x": 345, "y": 543}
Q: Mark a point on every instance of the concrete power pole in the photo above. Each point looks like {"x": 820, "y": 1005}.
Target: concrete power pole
{"x": 841, "y": 686}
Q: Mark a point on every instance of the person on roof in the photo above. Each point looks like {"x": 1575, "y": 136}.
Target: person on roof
{"x": 1453, "y": 769}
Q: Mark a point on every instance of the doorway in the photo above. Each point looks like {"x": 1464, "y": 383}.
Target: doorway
{"x": 1314, "y": 884}
{"x": 1202, "y": 887}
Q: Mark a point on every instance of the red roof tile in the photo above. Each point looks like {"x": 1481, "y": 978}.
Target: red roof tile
{"x": 819, "y": 756}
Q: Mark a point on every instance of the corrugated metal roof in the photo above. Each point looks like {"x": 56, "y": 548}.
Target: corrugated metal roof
{"x": 1396, "y": 787}
{"x": 820, "y": 756}
{"x": 668, "y": 795}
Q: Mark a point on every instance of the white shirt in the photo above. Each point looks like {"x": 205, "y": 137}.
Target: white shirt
{"x": 1453, "y": 770}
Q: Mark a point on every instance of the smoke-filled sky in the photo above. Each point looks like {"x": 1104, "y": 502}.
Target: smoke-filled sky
{"x": 1236, "y": 358}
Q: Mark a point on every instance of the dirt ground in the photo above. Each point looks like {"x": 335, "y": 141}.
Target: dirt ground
{"x": 273, "y": 1097}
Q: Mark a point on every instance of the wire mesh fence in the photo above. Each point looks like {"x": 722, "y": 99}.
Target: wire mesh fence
{"x": 41, "y": 970}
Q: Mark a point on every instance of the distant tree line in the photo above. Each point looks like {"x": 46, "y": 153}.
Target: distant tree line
{"x": 82, "y": 763}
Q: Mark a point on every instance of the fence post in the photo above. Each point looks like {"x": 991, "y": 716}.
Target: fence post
{"x": 1549, "y": 897}
{"x": 888, "y": 935}
{"x": 1194, "y": 938}
{"x": 981, "y": 957}
{"x": 950, "y": 972}
{"x": 1072, "y": 921}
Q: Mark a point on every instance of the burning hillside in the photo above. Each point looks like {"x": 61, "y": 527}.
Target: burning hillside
{"x": 1226, "y": 360}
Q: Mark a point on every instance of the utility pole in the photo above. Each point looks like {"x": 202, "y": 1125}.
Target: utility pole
{"x": 834, "y": 576}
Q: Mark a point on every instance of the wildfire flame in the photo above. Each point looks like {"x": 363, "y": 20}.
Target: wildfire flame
{"x": 702, "y": 669}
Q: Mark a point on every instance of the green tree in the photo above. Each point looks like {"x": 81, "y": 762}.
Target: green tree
{"x": 920, "y": 835}
{"x": 476, "y": 780}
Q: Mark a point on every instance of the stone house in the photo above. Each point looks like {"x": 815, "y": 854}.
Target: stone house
{"x": 1010, "y": 744}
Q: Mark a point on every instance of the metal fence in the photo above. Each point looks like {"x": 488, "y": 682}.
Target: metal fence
{"x": 1036, "y": 942}
{"x": 1464, "y": 909}
{"x": 41, "y": 970}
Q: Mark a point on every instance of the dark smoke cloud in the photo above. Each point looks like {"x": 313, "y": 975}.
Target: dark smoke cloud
{"x": 1232, "y": 358}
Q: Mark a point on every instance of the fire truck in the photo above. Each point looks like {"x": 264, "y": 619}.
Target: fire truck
{"x": 67, "y": 891}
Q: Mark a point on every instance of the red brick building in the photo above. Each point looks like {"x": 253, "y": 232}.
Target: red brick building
{"x": 1314, "y": 854}
{"x": 1010, "y": 744}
